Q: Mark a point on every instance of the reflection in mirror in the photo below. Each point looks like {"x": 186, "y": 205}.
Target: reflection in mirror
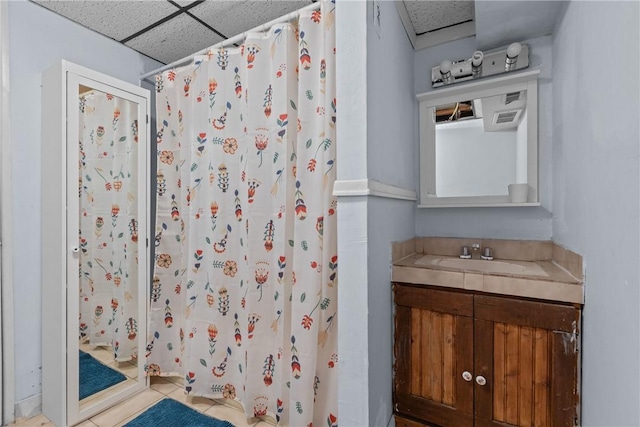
{"x": 108, "y": 191}
{"x": 481, "y": 145}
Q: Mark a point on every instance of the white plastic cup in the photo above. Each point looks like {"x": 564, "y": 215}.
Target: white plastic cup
{"x": 518, "y": 193}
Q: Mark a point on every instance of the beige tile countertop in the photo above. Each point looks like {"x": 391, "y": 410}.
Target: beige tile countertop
{"x": 531, "y": 269}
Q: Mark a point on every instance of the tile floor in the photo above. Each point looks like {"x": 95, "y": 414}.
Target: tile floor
{"x": 160, "y": 388}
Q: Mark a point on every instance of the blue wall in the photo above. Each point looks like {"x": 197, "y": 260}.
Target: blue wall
{"x": 39, "y": 39}
{"x": 391, "y": 150}
{"x": 596, "y": 170}
{"x": 590, "y": 187}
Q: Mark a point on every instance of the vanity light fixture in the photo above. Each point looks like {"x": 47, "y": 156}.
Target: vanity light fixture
{"x": 481, "y": 64}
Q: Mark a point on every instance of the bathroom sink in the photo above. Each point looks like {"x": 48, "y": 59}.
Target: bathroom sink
{"x": 495, "y": 266}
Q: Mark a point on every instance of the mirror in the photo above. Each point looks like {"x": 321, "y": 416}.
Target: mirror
{"x": 479, "y": 144}
{"x": 109, "y": 243}
{"x": 92, "y": 343}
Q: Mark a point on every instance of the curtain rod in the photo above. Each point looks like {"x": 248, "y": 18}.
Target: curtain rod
{"x": 233, "y": 40}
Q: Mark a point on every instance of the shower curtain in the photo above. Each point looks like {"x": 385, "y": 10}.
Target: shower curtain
{"x": 108, "y": 225}
{"x": 245, "y": 283}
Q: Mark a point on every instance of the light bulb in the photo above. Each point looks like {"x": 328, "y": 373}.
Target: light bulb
{"x": 445, "y": 66}
{"x": 476, "y": 64}
{"x": 445, "y": 72}
{"x": 514, "y": 50}
{"x": 476, "y": 59}
{"x": 511, "y": 58}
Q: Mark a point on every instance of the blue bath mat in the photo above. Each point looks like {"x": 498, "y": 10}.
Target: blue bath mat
{"x": 171, "y": 413}
{"x": 95, "y": 376}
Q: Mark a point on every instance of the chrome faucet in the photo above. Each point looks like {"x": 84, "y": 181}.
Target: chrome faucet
{"x": 475, "y": 250}
{"x": 464, "y": 252}
{"x": 486, "y": 253}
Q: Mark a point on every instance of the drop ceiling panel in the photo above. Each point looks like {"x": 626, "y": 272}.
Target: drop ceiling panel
{"x": 115, "y": 19}
{"x": 174, "y": 39}
{"x": 429, "y": 16}
{"x": 235, "y": 17}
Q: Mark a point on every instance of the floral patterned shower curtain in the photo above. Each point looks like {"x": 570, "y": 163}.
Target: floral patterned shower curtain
{"x": 108, "y": 225}
{"x": 244, "y": 289}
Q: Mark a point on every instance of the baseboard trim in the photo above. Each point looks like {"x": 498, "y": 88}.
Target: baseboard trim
{"x": 29, "y": 407}
{"x": 370, "y": 187}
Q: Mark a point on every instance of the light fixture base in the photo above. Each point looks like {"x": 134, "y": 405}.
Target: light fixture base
{"x": 493, "y": 63}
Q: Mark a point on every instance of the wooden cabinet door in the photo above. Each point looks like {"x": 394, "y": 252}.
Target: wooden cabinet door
{"x": 526, "y": 352}
{"x": 433, "y": 347}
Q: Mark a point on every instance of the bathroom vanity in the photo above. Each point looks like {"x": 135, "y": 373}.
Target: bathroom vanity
{"x": 486, "y": 342}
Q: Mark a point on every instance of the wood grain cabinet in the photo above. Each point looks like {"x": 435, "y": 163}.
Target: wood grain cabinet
{"x": 467, "y": 359}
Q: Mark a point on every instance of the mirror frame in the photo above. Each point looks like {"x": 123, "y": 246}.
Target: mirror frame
{"x": 60, "y": 223}
{"x": 427, "y": 102}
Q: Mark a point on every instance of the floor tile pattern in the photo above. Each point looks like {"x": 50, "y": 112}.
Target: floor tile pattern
{"x": 160, "y": 388}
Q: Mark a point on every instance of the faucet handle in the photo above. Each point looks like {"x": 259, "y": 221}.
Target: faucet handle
{"x": 464, "y": 252}
{"x": 487, "y": 254}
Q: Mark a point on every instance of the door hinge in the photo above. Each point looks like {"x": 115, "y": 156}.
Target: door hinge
{"x": 147, "y": 119}
{"x": 147, "y": 242}
{"x": 570, "y": 341}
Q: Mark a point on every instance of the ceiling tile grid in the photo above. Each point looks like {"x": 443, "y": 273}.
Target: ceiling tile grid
{"x": 174, "y": 39}
{"x": 429, "y": 16}
{"x": 235, "y": 17}
{"x": 168, "y": 30}
{"x": 114, "y": 18}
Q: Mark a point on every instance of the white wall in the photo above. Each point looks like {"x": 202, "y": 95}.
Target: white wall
{"x": 39, "y": 39}
{"x": 351, "y": 57}
{"x": 351, "y": 90}
{"x": 499, "y": 223}
{"x": 596, "y": 157}
{"x": 472, "y": 162}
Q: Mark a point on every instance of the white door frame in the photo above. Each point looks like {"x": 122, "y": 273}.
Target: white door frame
{"x": 7, "y": 368}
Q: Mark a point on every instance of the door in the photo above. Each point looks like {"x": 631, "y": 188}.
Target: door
{"x": 433, "y": 348}
{"x": 525, "y": 363}
{"x": 94, "y": 242}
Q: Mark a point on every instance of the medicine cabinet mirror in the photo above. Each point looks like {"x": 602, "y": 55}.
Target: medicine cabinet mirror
{"x": 479, "y": 143}
{"x": 95, "y": 270}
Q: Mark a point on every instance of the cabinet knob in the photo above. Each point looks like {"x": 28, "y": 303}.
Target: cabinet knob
{"x": 466, "y": 375}
{"x": 481, "y": 380}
